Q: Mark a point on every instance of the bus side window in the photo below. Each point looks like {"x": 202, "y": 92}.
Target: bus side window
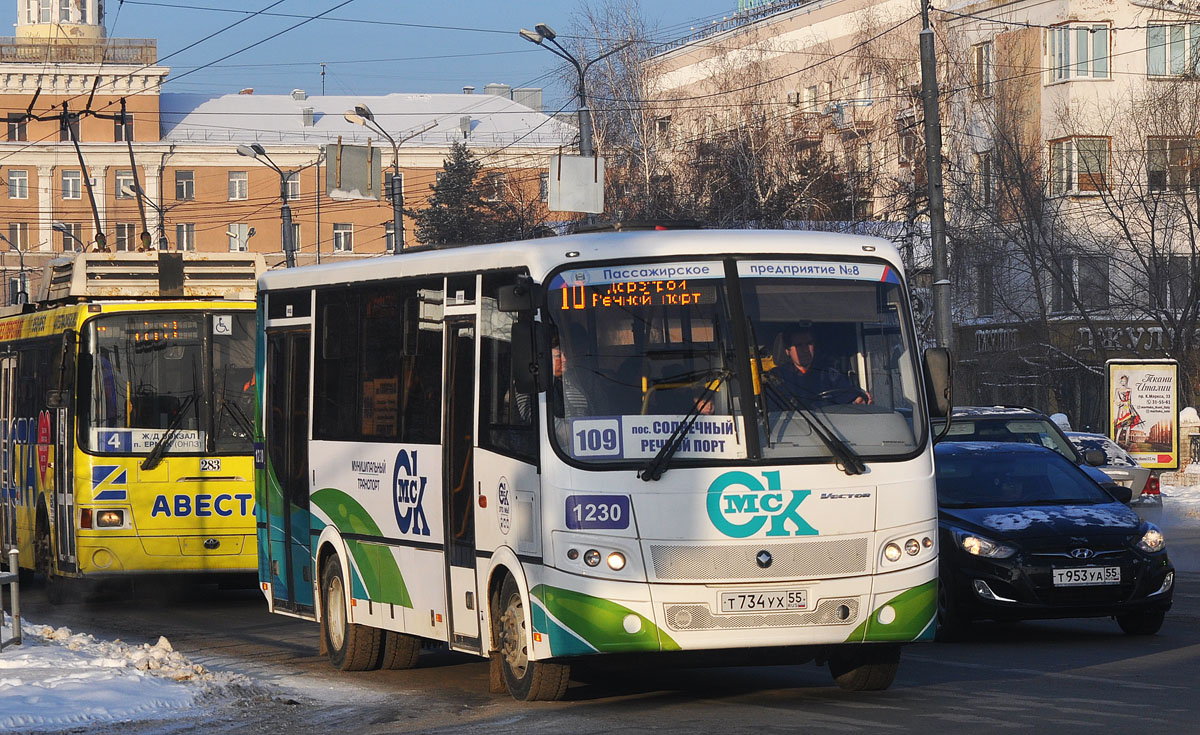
{"x": 507, "y": 415}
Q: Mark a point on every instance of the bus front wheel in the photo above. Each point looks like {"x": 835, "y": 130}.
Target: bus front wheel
{"x": 525, "y": 679}
{"x": 351, "y": 647}
{"x": 865, "y": 668}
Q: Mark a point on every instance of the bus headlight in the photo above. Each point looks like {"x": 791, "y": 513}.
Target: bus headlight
{"x": 110, "y": 518}
{"x": 892, "y": 552}
{"x": 616, "y": 561}
{"x": 591, "y": 557}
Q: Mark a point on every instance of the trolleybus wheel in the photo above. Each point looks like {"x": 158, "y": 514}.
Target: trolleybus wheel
{"x": 868, "y": 667}
{"x": 352, "y": 647}
{"x": 43, "y": 562}
{"x": 400, "y": 650}
{"x": 526, "y": 680}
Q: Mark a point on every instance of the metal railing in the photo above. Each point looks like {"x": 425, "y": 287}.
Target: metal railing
{"x": 107, "y": 51}
{"x": 12, "y": 578}
{"x": 737, "y": 20}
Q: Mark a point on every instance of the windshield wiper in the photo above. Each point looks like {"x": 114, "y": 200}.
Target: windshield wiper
{"x": 845, "y": 457}
{"x": 153, "y": 459}
{"x": 655, "y": 468}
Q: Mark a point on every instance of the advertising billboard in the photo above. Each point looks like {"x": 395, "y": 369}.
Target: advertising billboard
{"x": 1143, "y": 410}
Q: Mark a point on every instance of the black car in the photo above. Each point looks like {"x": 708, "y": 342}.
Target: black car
{"x": 1025, "y": 534}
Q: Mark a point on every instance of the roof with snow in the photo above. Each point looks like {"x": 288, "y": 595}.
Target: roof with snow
{"x": 281, "y": 119}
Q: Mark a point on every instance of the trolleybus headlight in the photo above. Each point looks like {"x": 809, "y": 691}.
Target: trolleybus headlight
{"x": 912, "y": 547}
{"x": 110, "y": 519}
{"x": 591, "y": 557}
{"x": 616, "y": 561}
{"x": 892, "y": 552}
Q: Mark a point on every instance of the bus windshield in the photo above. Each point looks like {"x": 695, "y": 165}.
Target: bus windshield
{"x": 777, "y": 360}
{"x": 185, "y": 376}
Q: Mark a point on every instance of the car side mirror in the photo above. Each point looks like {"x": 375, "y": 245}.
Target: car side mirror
{"x": 1095, "y": 458}
{"x": 1123, "y": 495}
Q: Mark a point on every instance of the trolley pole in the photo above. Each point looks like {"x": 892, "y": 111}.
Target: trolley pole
{"x": 933, "y": 174}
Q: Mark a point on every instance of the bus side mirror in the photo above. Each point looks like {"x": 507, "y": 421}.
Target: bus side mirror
{"x": 937, "y": 381}
{"x": 529, "y": 363}
{"x": 57, "y": 398}
{"x": 521, "y": 297}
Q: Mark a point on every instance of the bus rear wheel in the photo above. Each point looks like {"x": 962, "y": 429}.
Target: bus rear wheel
{"x": 351, "y": 647}
{"x": 868, "y": 667}
{"x": 525, "y": 679}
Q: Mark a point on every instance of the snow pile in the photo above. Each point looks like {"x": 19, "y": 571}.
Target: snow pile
{"x": 59, "y": 679}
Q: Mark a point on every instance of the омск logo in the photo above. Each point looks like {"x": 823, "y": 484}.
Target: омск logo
{"x": 739, "y": 505}
{"x": 408, "y": 493}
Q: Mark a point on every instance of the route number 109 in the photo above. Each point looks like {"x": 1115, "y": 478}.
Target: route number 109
{"x": 596, "y": 438}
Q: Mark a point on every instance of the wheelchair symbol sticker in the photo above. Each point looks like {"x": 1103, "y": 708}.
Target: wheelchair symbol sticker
{"x": 223, "y": 325}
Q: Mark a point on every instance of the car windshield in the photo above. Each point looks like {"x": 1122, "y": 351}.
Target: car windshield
{"x": 1025, "y": 430}
{"x": 1114, "y": 455}
{"x": 637, "y": 356}
{"x": 999, "y": 478}
{"x": 183, "y": 374}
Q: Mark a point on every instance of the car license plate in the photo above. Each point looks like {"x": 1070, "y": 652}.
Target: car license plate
{"x": 1087, "y": 576}
{"x": 764, "y": 600}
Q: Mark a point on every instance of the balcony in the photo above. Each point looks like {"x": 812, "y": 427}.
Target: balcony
{"x": 141, "y": 51}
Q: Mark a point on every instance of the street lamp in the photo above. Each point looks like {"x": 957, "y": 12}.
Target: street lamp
{"x": 137, "y": 191}
{"x": 362, "y": 115}
{"x": 22, "y": 295}
{"x": 67, "y": 232}
{"x": 543, "y": 32}
{"x": 257, "y": 152}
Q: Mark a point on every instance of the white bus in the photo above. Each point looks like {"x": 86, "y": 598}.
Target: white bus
{"x": 607, "y": 443}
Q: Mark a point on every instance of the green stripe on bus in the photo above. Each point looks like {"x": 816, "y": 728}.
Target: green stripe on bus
{"x": 376, "y": 564}
{"x": 914, "y": 609}
{"x": 599, "y": 622}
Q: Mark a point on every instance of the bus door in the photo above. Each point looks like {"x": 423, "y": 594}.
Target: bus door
{"x": 458, "y": 479}
{"x": 8, "y": 481}
{"x": 289, "y": 548}
{"x": 64, "y": 489}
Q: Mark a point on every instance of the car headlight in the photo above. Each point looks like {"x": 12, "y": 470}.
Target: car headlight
{"x": 977, "y": 545}
{"x": 1152, "y": 540}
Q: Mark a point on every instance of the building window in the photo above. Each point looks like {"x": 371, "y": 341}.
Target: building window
{"x": 64, "y": 11}
{"x": 866, "y": 88}
{"x": 18, "y": 235}
{"x": 1084, "y": 277}
{"x": 343, "y": 238}
{"x": 18, "y": 183}
{"x": 239, "y": 237}
{"x": 16, "y": 127}
{"x": 982, "y": 70}
{"x": 1170, "y": 282}
{"x": 985, "y": 290}
{"x": 1172, "y": 163}
{"x": 1172, "y": 50}
{"x": 1077, "y": 52}
{"x": 292, "y": 183}
{"x": 68, "y": 129}
{"x": 185, "y": 236}
{"x": 126, "y": 237}
{"x": 123, "y": 128}
{"x": 389, "y": 237}
{"x": 985, "y": 179}
{"x": 239, "y": 187}
{"x": 185, "y": 186}
{"x": 493, "y": 189}
{"x": 44, "y": 8}
{"x": 72, "y": 185}
{"x": 662, "y": 127}
{"x": 72, "y": 236}
{"x": 544, "y": 186}
{"x": 1078, "y": 166}
{"x": 126, "y": 186}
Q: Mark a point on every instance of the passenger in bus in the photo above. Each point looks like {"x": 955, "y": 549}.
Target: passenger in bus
{"x": 797, "y": 371}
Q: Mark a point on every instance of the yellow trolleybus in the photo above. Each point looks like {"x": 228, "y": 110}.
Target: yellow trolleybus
{"x": 126, "y": 438}
{"x": 633, "y": 443}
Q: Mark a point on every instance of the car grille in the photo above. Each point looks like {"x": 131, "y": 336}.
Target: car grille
{"x": 792, "y": 560}
{"x": 1042, "y": 562}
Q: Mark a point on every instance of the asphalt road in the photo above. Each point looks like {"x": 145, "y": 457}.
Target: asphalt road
{"x": 1073, "y": 676}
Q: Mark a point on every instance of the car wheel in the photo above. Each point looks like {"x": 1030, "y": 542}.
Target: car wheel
{"x": 351, "y": 647}
{"x": 1142, "y": 622}
{"x": 951, "y": 624}
{"x": 867, "y": 667}
{"x": 526, "y": 680}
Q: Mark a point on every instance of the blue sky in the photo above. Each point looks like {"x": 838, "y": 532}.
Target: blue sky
{"x": 374, "y": 46}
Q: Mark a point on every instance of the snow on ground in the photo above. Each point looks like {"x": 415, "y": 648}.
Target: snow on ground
{"x": 58, "y": 679}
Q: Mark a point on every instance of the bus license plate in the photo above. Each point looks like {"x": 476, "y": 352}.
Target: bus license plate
{"x": 764, "y": 600}
{"x": 1087, "y": 576}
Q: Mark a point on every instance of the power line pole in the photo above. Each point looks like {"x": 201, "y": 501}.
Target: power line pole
{"x": 933, "y": 174}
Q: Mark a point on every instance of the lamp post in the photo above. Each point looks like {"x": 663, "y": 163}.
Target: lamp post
{"x": 245, "y": 244}
{"x": 543, "y": 32}
{"x": 257, "y": 152}
{"x": 22, "y": 295}
{"x": 362, "y": 115}
{"x": 137, "y": 191}
{"x": 66, "y": 232}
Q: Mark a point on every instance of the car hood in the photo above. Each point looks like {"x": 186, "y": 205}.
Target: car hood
{"x": 1032, "y": 522}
